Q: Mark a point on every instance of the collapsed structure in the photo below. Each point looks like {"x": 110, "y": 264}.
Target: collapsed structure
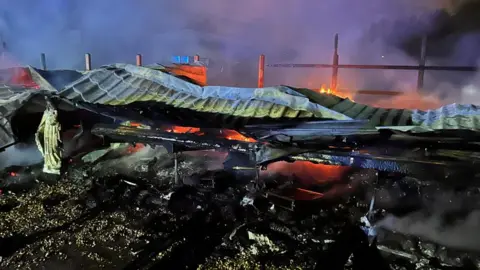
{"x": 256, "y": 126}
{"x": 275, "y": 123}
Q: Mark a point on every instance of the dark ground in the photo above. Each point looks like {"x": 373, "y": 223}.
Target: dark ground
{"x": 106, "y": 217}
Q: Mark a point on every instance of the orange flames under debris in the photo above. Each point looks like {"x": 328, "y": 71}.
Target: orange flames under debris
{"x": 135, "y": 148}
{"x": 21, "y": 76}
{"x": 309, "y": 173}
{"x": 224, "y": 133}
{"x": 325, "y": 90}
{"x": 18, "y": 76}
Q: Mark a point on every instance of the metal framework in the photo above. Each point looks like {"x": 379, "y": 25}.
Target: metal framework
{"x": 335, "y": 66}
{"x": 88, "y": 60}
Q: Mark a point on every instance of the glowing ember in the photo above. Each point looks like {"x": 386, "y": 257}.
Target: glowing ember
{"x": 224, "y": 133}
{"x": 13, "y": 174}
{"x": 309, "y": 173}
{"x": 180, "y": 129}
{"x": 235, "y": 136}
{"x": 135, "y": 148}
{"x": 301, "y": 194}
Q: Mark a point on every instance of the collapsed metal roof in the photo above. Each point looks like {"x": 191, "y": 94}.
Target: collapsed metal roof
{"x": 124, "y": 84}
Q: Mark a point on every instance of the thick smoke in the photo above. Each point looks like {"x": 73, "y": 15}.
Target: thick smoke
{"x": 448, "y": 219}
{"x": 231, "y": 33}
{"x": 20, "y": 155}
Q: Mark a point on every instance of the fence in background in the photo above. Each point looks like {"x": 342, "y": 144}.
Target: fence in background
{"x": 335, "y": 66}
{"x": 197, "y": 73}
{"x": 88, "y": 60}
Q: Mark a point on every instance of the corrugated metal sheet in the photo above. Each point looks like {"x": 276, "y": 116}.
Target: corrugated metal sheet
{"x": 449, "y": 117}
{"x": 125, "y": 84}
{"x": 378, "y": 116}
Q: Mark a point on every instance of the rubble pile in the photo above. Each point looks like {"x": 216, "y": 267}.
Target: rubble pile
{"x": 105, "y": 214}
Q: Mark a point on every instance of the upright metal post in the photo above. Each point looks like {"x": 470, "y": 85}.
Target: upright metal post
{"x": 333, "y": 84}
{"x": 43, "y": 60}
{"x": 139, "y": 60}
{"x": 175, "y": 165}
{"x": 88, "y": 61}
{"x": 261, "y": 71}
{"x": 423, "y": 60}
{"x": 196, "y": 58}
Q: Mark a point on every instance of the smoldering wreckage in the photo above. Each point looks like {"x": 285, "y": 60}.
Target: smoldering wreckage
{"x": 144, "y": 169}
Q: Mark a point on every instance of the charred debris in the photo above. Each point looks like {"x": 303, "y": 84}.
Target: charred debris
{"x": 144, "y": 170}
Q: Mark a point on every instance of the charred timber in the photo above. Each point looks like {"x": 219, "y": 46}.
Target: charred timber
{"x": 448, "y": 172}
{"x": 180, "y": 141}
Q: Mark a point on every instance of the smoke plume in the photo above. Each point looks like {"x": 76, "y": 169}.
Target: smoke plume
{"x": 20, "y": 155}
{"x": 448, "y": 219}
{"x": 231, "y": 33}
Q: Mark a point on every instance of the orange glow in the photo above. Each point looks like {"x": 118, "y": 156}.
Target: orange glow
{"x": 235, "y": 136}
{"x": 328, "y": 91}
{"x": 409, "y": 100}
{"x": 224, "y": 133}
{"x": 21, "y": 76}
{"x": 180, "y": 129}
{"x": 301, "y": 194}
{"x": 13, "y": 174}
{"x": 18, "y": 75}
{"x": 309, "y": 173}
{"x": 135, "y": 148}
{"x": 135, "y": 124}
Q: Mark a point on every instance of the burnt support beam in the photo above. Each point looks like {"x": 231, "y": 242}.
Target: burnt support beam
{"x": 175, "y": 162}
{"x": 333, "y": 84}
{"x": 185, "y": 141}
{"x": 261, "y": 71}
{"x": 88, "y": 61}
{"x": 138, "y": 60}
{"x": 423, "y": 59}
{"x": 43, "y": 61}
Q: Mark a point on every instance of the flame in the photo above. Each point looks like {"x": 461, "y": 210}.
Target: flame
{"x": 329, "y": 91}
{"x": 13, "y": 174}
{"x": 16, "y": 75}
{"x": 235, "y": 136}
{"x": 22, "y": 76}
{"x": 180, "y": 129}
{"x": 224, "y": 133}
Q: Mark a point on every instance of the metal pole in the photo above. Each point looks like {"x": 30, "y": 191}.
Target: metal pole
{"x": 43, "y": 60}
{"x": 333, "y": 84}
{"x": 88, "y": 61}
{"x": 423, "y": 58}
{"x": 139, "y": 60}
{"x": 196, "y": 58}
{"x": 261, "y": 71}
{"x": 175, "y": 160}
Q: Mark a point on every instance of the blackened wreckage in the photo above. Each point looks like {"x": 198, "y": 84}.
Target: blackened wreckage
{"x": 123, "y": 103}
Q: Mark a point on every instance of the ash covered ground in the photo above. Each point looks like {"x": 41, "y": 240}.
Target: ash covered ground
{"x": 117, "y": 211}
